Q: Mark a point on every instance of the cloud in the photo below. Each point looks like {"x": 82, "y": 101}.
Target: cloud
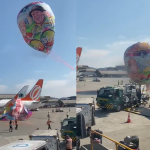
{"x": 3, "y": 89}
{"x": 55, "y": 88}
{"x": 111, "y": 56}
{"x": 82, "y": 38}
{"x": 39, "y": 71}
{"x": 121, "y": 37}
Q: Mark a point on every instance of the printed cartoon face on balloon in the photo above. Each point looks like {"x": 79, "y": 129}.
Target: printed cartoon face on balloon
{"x": 36, "y": 22}
{"x": 37, "y": 14}
{"x": 136, "y": 59}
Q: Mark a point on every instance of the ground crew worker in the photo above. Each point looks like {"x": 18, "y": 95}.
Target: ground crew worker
{"x": 67, "y": 115}
{"x": 139, "y": 94}
{"x": 48, "y": 123}
{"x": 48, "y": 116}
{"x": 10, "y": 126}
{"x": 68, "y": 143}
{"x": 16, "y": 123}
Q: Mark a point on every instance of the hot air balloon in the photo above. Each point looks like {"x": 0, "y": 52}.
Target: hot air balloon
{"x": 137, "y": 62}
{"x": 36, "y": 22}
{"x": 15, "y": 109}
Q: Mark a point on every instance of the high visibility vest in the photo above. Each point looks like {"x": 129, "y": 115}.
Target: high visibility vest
{"x": 48, "y": 122}
{"x": 69, "y": 143}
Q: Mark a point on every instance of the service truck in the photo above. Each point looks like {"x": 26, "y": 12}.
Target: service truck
{"x": 88, "y": 110}
{"x": 26, "y": 145}
{"x": 74, "y": 127}
{"x": 50, "y": 136}
{"x": 115, "y": 98}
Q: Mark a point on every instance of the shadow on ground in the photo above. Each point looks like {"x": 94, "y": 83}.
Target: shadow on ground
{"x": 99, "y": 113}
{"x": 94, "y": 92}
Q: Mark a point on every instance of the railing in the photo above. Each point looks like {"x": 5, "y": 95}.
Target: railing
{"x": 116, "y": 143}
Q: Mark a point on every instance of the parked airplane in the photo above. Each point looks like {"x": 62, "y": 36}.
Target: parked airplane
{"x": 78, "y": 55}
{"x": 20, "y": 94}
{"x": 32, "y": 99}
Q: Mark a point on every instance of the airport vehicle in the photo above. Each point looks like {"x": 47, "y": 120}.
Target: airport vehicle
{"x": 50, "y": 136}
{"x": 69, "y": 126}
{"x": 144, "y": 96}
{"x": 131, "y": 92}
{"x": 88, "y": 110}
{"x": 114, "y": 98}
{"x": 96, "y": 80}
{"x": 26, "y": 145}
{"x": 59, "y": 110}
{"x": 20, "y": 94}
{"x": 81, "y": 78}
{"x": 131, "y": 142}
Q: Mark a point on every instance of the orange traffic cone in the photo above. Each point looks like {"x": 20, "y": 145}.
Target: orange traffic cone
{"x": 128, "y": 120}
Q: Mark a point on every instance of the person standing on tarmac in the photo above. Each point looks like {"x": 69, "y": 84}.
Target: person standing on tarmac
{"x": 49, "y": 124}
{"x": 68, "y": 143}
{"x": 48, "y": 115}
{"x": 139, "y": 94}
{"x": 10, "y": 126}
{"x": 16, "y": 123}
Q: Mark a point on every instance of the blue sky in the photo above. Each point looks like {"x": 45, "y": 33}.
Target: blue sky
{"x": 20, "y": 64}
{"x": 106, "y": 28}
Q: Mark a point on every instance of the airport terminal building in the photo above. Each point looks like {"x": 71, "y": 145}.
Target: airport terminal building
{"x": 118, "y": 71}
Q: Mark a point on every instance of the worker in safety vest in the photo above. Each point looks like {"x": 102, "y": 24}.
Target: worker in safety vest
{"x": 68, "y": 143}
{"x": 48, "y": 123}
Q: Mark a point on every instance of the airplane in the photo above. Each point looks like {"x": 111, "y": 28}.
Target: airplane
{"x": 78, "y": 55}
{"x": 32, "y": 99}
{"x": 20, "y": 94}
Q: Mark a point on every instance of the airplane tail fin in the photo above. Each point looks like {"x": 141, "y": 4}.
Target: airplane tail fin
{"x": 22, "y": 92}
{"x": 78, "y": 55}
{"x": 35, "y": 93}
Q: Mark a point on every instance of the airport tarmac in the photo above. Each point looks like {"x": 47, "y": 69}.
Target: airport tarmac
{"x": 113, "y": 123}
{"x": 37, "y": 120}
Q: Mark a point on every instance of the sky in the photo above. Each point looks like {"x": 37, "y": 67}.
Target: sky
{"x": 105, "y": 29}
{"x": 21, "y": 65}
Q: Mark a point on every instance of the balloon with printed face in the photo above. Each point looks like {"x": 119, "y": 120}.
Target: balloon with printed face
{"x": 15, "y": 110}
{"x": 36, "y": 22}
{"x": 137, "y": 62}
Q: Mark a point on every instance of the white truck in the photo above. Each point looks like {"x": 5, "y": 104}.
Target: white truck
{"x": 88, "y": 110}
{"x": 26, "y": 145}
{"x": 50, "y": 136}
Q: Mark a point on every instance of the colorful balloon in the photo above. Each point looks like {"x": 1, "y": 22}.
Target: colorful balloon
{"x": 36, "y": 22}
{"x": 15, "y": 109}
{"x": 137, "y": 62}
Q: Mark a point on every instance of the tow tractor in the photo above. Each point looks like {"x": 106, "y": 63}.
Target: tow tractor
{"x": 69, "y": 126}
{"x": 115, "y": 98}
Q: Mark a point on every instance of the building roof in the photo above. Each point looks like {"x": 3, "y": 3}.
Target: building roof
{"x": 69, "y": 102}
{"x": 119, "y": 72}
{"x": 7, "y": 96}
